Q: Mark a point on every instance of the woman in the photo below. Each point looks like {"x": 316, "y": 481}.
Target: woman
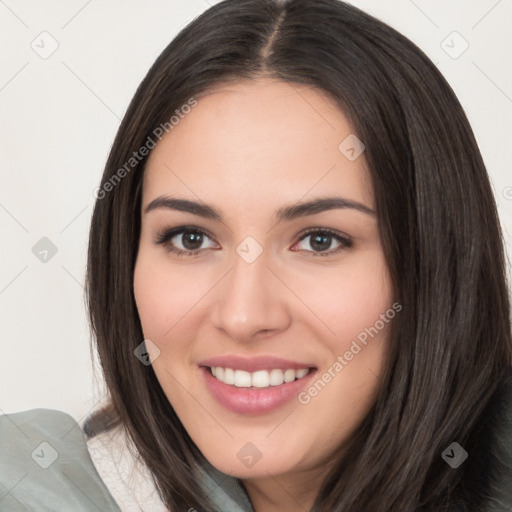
{"x": 374, "y": 377}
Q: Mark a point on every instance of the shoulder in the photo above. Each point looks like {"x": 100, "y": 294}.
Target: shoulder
{"x": 45, "y": 465}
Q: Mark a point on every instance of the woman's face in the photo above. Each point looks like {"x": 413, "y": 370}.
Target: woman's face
{"x": 269, "y": 296}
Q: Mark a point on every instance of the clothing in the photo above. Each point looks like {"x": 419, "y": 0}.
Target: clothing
{"x": 131, "y": 484}
{"x": 126, "y": 477}
{"x": 47, "y": 465}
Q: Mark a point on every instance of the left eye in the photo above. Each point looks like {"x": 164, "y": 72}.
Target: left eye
{"x": 321, "y": 241}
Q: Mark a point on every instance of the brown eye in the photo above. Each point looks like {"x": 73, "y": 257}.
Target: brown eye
{"x": 191, "y": 240}
{"x": 321, "y": 240}
{"x": 183, "y": 240}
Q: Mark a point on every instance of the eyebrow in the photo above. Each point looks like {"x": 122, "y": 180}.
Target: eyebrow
{"x": 287, "y": 213}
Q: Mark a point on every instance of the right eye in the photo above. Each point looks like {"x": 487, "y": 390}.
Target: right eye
{"x": 189, "y": 237}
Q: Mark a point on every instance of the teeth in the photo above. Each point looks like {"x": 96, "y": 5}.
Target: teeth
{"x": 301, "y": 373}
{"x": 289, "y": 375}
{"x": 242, "y": 379}
{"x": 276, "y": 377}
{"x": 259, "y": 379}
{"x": 229, "y": 376}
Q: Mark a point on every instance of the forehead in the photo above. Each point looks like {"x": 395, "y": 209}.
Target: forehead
{"x": 255, "y": 143}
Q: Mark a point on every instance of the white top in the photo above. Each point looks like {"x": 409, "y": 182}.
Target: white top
{"x": 126, "y": 476}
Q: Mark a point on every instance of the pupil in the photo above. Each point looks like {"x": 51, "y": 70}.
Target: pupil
{"x": 192, "y": 241}
{"x": 317, "y": 244}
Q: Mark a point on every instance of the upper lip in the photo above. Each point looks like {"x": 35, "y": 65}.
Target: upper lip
{"x": 253, "y": 364}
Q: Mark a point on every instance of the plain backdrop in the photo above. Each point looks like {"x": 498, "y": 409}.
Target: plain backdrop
{"x": 58, "y": 117}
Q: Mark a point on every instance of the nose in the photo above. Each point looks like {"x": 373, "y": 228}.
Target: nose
{"x": 251, "y": 302}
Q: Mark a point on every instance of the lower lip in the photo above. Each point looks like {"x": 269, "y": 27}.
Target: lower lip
{"x": 254, "y": 400}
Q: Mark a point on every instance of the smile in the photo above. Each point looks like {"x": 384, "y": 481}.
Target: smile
{"x": 254, "y": 386}
{"x": 258, "y": 379}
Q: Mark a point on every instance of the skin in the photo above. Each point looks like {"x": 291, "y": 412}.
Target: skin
{"x": 249, "y": 149}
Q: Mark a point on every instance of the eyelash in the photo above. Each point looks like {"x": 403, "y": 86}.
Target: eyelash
{"x": 165, "y": 236}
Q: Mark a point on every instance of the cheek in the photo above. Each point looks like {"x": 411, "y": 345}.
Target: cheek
{"x": 162, "y": 297}
{"x": 163, "y": 300}
{"x": 153, "y": 303}
{"x": 350, "y": 300}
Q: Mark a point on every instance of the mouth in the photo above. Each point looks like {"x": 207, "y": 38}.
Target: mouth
{"x": 255, "y": 386}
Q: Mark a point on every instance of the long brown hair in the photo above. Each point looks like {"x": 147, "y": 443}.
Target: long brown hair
{"x": 451, "y": 344}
